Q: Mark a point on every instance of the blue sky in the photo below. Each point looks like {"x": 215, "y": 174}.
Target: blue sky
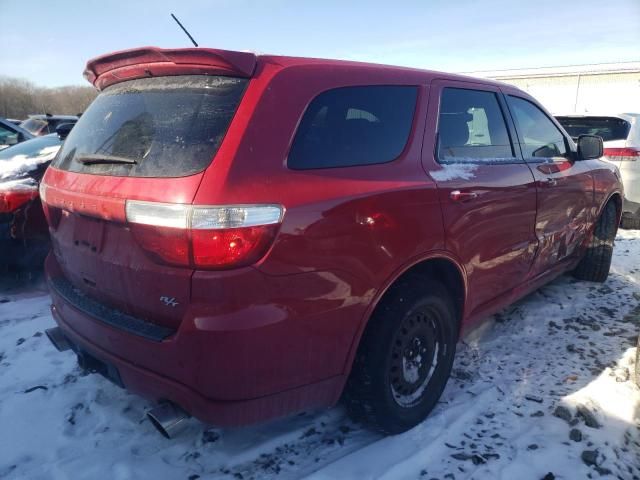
{"x": 49, "y": 42}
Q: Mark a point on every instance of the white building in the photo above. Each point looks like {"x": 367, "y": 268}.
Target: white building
{"x": 611, "y": 87}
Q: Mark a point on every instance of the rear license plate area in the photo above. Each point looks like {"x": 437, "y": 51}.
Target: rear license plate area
{"x": 88, "y": 233}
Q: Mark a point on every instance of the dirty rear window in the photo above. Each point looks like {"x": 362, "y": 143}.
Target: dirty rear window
{"x": 153, "y": 127}
{"x": 609, "y": 128}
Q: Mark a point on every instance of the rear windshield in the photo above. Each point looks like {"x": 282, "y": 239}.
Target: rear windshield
{"x": 609, "y": 128}
{"x": 153, "y": 127}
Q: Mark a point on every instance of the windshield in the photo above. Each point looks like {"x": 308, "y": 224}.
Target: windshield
{"x": 609, "y": 128}
{"x": 164, "y": 127}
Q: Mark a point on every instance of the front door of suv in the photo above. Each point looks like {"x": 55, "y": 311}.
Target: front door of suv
{"x": 487, "y": 192}
{"x": 565, "y": 186}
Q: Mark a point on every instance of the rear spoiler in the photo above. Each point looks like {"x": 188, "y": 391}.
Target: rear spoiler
{"x": 153, "y": 61}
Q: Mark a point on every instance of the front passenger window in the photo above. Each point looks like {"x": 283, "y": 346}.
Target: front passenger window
{"x": 539, "y": 137}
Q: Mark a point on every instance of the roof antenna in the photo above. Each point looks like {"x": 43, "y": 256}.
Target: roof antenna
{"x": 185, "y": 30}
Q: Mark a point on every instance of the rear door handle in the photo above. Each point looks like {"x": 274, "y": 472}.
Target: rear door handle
{"x": 458, "y": 196}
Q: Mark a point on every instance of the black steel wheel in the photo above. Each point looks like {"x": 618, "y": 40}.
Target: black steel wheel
{"x": 416, "y": 350}
{"x": 405, "y": 356}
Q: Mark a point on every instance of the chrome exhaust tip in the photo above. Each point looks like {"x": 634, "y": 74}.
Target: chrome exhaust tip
{"x": 56, "y": 336}
{"x": 168, "y": 418}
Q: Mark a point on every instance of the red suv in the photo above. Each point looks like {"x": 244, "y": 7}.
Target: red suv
{"x": 241, "y": 237}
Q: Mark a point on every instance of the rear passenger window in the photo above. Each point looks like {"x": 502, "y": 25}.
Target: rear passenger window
{"x": 354, "y": 126}
{"x": 539, "y": 137}
{"x": 471, "y": 127}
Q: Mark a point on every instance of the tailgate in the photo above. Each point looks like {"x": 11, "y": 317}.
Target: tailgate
{"x": 147, "y": 139}
{"x": 98, "y": 253}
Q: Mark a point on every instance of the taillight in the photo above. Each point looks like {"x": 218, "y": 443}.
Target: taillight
{"x": 15, "y": 194}
{"x": 622, "y": 154}
{"x": 208, "y": 237}
{"x": 232, "y": 247}
{"x": 164, "y": 244}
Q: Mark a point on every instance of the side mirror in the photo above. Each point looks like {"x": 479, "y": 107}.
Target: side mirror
{"x": 589, "y": 147}
{"x": 11, "y": 139}
{"x": 63, "y": 130}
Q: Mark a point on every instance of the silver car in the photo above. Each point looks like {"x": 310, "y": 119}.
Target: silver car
{"x": 621, "y": 135}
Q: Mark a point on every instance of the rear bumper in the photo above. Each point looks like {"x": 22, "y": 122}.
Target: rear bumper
{"x": 223, "y": 371}
{"x": 156, "y": 387}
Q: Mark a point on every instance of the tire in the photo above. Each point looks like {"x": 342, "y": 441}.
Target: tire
{"x": 594, "y": 265}
{"x": 630, "y": 222}
{"x": 404, "y": 358}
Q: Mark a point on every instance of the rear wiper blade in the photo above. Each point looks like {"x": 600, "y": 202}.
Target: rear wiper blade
{"x": 97, "y": 159}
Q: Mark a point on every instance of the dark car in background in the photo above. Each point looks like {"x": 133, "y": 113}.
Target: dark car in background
{"x": 12, "y": 134}
{"x": 24, "y": 236}
{"x": 46, "y": 123}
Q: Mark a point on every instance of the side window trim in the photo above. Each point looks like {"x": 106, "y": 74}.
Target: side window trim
{"x": 517, "y": 154}
{"x": 534, "y": 160}
{"x": 511, "y": 127}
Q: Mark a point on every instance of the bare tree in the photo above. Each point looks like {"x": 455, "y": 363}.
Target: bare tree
{"x": 19, "y": 98}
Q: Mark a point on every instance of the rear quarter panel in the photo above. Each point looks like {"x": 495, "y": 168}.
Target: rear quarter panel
{"x": 366, "y": 220}
{"x": 346, "y": 231}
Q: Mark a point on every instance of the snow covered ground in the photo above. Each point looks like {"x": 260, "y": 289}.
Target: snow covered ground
{"x": 543, "y": 390}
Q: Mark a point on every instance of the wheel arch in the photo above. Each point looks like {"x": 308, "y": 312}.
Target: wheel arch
{"x": 439, "y": 265}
